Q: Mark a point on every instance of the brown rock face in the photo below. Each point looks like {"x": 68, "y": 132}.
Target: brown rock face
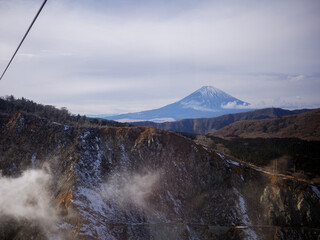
{"x": 143, "y": 183}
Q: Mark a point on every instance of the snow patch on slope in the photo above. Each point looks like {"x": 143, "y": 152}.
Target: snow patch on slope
{"x": 316, "y": 191}
{"x": 87, "y": 197}
{"x": 243, "y": 212}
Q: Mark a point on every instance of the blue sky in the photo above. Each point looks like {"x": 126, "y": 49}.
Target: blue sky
{"x": 125, "y": 56}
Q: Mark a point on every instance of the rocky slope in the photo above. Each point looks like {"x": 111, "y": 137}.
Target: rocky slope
{"x": 139, "y": 183}
{"x": 205, "y": 125}
{"x": 305, "y": 126}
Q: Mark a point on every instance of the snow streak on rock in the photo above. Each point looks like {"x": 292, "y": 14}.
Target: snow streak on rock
{"x": 87, "y": 197}
{"x": 243, "y": 213}
{"x": 316, "y": 191}
{"x": 107, "y": 203}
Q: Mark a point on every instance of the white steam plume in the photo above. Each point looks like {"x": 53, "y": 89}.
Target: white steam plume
{"x": 26, "y": 197}
{"x": 128, "y": 188}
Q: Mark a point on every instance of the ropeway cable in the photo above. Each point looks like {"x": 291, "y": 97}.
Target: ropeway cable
{"x": 25, "y": 35}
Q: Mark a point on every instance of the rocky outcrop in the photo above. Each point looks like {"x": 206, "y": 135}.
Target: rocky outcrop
{"x": 143, "y": 183}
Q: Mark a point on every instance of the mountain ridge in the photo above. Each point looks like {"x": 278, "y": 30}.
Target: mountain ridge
{"x": 204, "y": 125}
{"x": 305, "y": 126}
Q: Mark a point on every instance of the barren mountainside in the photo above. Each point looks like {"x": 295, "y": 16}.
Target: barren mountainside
{"x": 139, "y": 183}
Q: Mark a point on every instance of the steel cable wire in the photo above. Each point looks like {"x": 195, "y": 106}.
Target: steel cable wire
{"x": 25, "y": 35}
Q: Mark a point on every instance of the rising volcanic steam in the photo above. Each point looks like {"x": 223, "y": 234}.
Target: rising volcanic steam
{"x": 128, "y": 188}
{"x": 27, "y": 199}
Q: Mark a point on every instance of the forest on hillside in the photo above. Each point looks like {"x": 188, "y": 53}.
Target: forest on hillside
{"x": 291, "y": 156}
{"x": 10, "y": 105}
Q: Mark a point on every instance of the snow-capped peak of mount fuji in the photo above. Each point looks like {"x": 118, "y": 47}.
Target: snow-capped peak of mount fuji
{"x": 210, "y": 91}
{"x": 210, "y": 99}
{"x": 207, "y": 101}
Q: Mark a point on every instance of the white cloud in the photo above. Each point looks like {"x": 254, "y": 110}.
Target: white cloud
{"x": 296, "y": 77}
{"x": 235, "y": 105}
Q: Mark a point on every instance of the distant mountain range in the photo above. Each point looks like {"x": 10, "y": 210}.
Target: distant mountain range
{"x": 206, "y": 125}
{"x": 207, "y": 101}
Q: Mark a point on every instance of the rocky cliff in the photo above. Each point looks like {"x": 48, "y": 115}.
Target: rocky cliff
{"x": 68, "y": 182}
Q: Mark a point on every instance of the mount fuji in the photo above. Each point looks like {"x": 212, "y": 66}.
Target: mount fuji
{"x": 206, "y": 102}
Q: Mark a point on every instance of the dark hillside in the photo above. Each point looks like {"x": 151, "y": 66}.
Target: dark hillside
{"x": 11, "y": 105}
{"x": 286, "y": 155}
{"x": 305, "y": 126}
